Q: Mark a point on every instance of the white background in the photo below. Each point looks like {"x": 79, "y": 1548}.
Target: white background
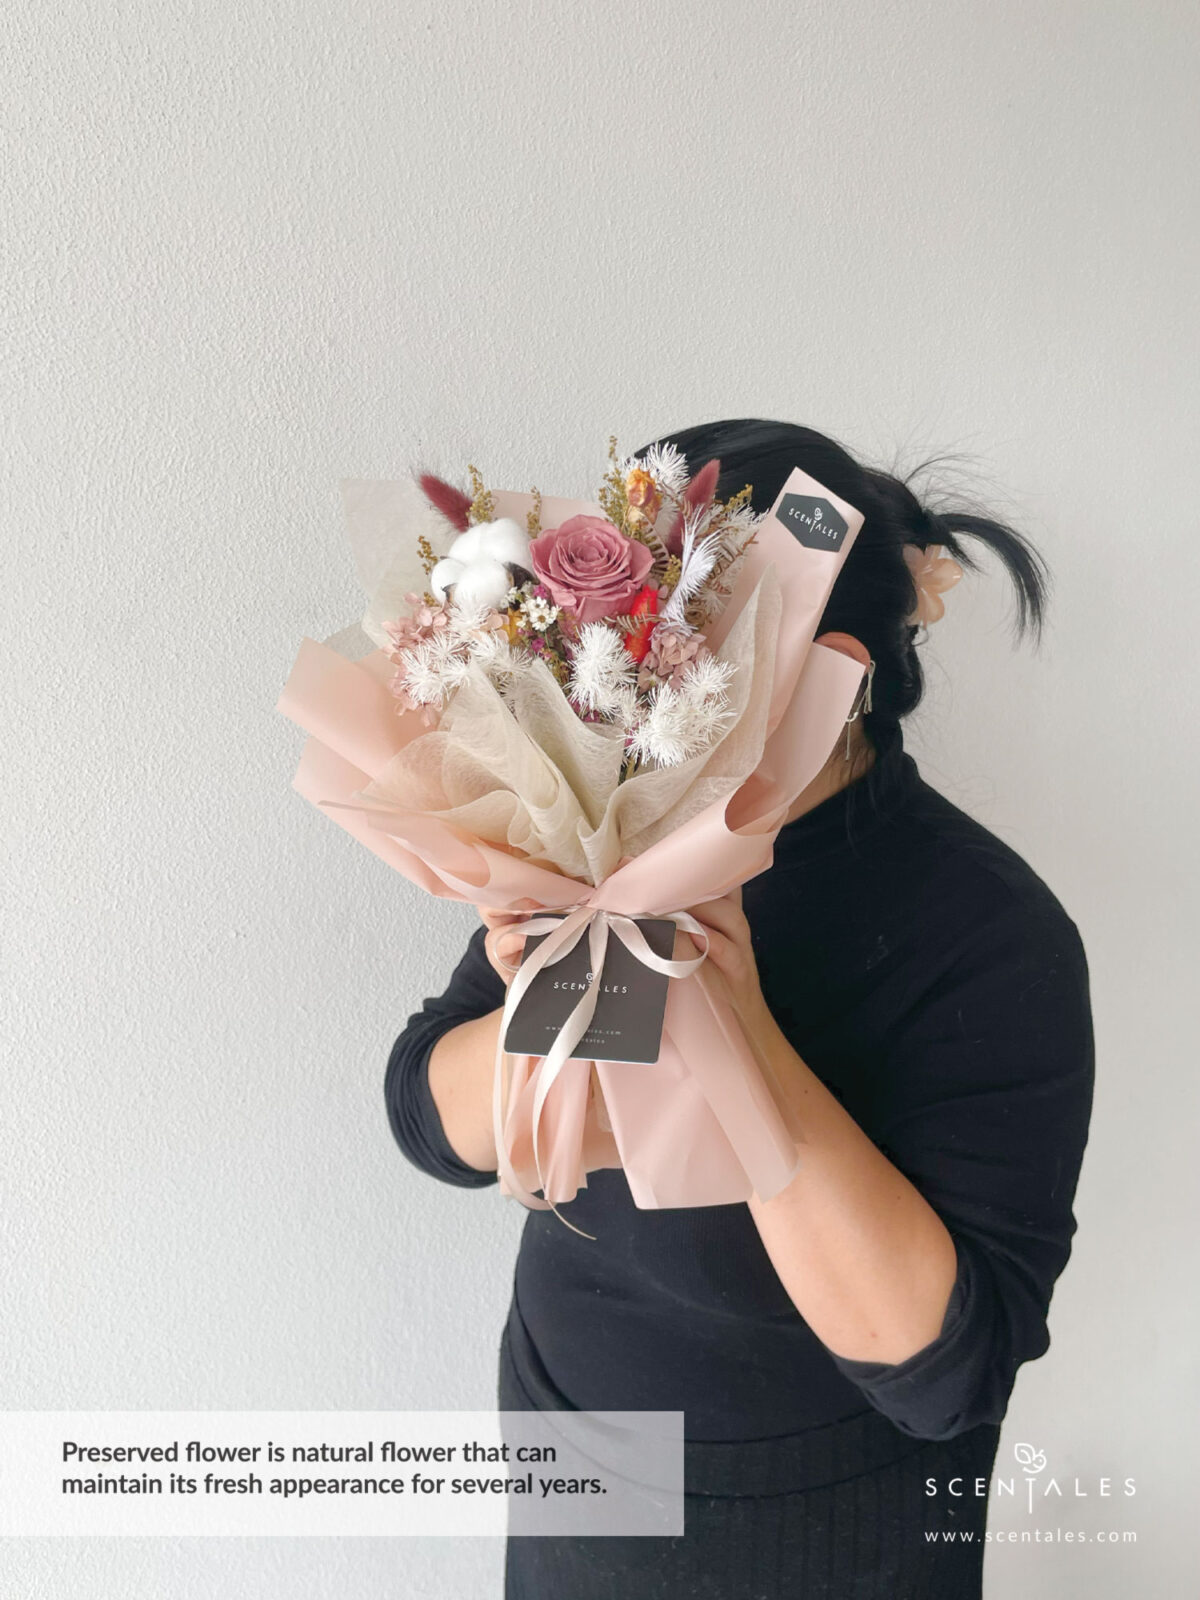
{"x": 251, "y": 250}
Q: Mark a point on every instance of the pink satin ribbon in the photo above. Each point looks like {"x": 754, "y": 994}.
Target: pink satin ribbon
{"x": 563, "y": 934}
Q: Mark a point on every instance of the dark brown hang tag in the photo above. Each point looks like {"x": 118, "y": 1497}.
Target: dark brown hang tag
{"x": 628, "y": 1021}
{"x": 813, "y": 520}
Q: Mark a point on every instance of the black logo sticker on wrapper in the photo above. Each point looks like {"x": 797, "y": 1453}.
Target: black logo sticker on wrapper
{"x": 813, "y": 521}
{"x": 628, "y": 1021}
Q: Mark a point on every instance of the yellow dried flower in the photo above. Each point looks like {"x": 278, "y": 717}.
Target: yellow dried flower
{"x": 533, "y": 520}
{"x": 483, "y": 508}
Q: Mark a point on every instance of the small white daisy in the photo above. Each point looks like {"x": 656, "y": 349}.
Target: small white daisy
{"x": 539, "y": 613}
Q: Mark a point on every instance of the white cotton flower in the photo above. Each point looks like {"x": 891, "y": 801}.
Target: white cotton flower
{"x": 477, "y": 564}
{"x": 481, "y": 582}
{"x": 601, "y": 670}
{"x": 502, "y": 540}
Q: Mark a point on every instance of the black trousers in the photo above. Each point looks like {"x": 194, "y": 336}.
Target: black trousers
{"x": 841, "y": 1512}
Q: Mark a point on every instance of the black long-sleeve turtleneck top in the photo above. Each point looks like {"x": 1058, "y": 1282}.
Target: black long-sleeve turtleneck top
{"x": 934, "y": 984}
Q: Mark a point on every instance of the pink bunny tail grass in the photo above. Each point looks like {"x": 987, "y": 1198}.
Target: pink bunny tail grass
{"x": 699, "y": 491}
{"x": 451, "y": 502}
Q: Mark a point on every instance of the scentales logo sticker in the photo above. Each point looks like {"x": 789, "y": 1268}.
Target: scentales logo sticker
{"x": 1031, "y": 1484}
{"x": 814, "y": 522}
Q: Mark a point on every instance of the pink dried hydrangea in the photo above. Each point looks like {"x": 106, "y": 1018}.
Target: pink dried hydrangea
{"x": 425, "y": 676}
{"x": 426, "y": 620}
{"x": 671, "y": 652}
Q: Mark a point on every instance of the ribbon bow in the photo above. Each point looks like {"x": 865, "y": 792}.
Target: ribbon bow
{"x": 563, "y": 934}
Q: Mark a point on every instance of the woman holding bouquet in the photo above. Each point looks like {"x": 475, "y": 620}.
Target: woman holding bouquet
{"x": 844, "y": 1352}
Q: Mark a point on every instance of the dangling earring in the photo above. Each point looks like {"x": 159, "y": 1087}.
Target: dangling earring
{"x": 862, "y": 704}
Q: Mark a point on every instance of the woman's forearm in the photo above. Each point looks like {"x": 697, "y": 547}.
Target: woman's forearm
{"x": 461, "y": 1068}
{"x": 863, "y": 1256}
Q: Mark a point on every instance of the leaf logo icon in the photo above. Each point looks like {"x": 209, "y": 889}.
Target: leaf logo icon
{"x": 1029, "y": 1459}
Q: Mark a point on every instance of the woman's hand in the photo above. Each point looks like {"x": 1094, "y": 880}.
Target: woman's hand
{"x": 863, "y": 1256}
{"x": 732, "y": 954}
{"x": 511, "y": 948}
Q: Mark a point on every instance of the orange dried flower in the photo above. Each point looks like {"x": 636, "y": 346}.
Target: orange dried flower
{"x": 645, "y": 606}
{"x": 642, "y": 494}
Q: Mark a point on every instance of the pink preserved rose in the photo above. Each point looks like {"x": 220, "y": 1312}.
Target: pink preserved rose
{"x": 590, "y": 567}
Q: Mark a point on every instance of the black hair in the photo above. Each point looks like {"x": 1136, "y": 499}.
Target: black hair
{"x": 874, "y": 593}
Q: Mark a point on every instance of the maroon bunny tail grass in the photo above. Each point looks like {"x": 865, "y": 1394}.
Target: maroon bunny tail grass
{"x": 451, "y": 502}
{"x": 699, "y": 491}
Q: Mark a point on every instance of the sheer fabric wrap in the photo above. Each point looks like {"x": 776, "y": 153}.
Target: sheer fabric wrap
{"x": 513, "y": 803}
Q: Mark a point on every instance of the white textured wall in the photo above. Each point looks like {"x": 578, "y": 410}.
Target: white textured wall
{"x": 251, "y": 250}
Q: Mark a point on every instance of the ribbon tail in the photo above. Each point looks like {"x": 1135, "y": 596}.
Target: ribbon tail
{"x": 572, "y": 1031}
{"x": 501, "y": 1078}
{"x": 561, "y": 937}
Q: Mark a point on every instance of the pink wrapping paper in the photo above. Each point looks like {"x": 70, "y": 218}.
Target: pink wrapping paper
{"x": 705, "y": 1125}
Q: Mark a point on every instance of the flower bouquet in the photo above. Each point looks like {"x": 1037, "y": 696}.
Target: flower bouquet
{"x": 589, "y": 714}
